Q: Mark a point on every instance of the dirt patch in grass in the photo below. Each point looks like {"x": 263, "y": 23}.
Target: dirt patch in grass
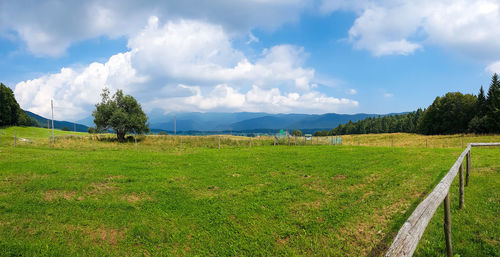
{"x": 367, "y": 194}
{"x": 283, "y": 240}
{"x": 134, "y": 197}
{"x": 366, "y": 181}
{"x": 319, "y": 187}
{"x": 109, "y": 236}
{"x": 99, "y": 236}
{"x": 96, "y": 189}
{"x": 117, "y": 177}
{"x": 4, "y": 223}
{"x": 55, "y": 195}
{"x": 301, "y": 209}
{"x": 339, "y": 177}
{"x": 22, "y": 178}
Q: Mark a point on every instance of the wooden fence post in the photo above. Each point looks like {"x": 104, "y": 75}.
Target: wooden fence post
{"x": 461, "y": 185}
{"x": 219, "y": 142}
{"x": 467, "y": 169}
{"x": 426, "y": 145}
{"x": 181, "y": 141}
{"x": 447, "y": 225}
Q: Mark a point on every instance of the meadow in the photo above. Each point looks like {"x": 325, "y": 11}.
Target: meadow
{"x": 248, "y": 198}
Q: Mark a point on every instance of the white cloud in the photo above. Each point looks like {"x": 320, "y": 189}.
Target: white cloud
{"x": 226, "y": 98}
{"x": 252, "y": 39}
{"x": 50, "y": 27}
{"x": 469, "y": 27}
{"x": 388, "y": 95}
{"x": 186, "y": 66}
{"x": 494, "y": 67}
{"x": 75, "y": 92}
{"x": 202, "y": 53}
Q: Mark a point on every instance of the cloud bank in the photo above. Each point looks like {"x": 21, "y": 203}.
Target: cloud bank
{"x": 50, "y": 27}
{"x": 393, "y": 27}
{"x": 186, "y": 65}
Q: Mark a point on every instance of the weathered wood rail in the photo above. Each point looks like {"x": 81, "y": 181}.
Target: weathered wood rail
{"x": 409, "y": 235}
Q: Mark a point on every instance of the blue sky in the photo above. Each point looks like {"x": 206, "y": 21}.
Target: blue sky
{"x": 277, "y": 56}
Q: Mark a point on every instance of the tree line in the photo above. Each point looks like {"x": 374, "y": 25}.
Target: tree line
{"x": 10, "y": 112}
{"x": 449, "y": 114}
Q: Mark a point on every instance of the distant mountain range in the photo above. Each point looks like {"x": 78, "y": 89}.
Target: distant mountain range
{"x": 239, "y": 121}
{"x": 57, "y": 123}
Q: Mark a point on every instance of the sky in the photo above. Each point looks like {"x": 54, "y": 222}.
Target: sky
{"x": 275, "y": 56}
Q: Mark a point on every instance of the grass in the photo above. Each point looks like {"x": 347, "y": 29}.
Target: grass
{"x": 416, "y": 140}
{"x": 476, "y": 228}
{"x": 239, "y": 201}
{"x": 36, "y": 133}
{"x": 39, "y": 137}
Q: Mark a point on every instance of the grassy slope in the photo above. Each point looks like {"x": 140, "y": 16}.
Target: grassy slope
{"x": 34, "y": 133}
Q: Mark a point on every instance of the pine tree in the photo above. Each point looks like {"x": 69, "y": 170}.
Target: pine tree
{"x": 478, "y": 123}
{"x": 493, "y": 106}
{"x": 481, "y": 103}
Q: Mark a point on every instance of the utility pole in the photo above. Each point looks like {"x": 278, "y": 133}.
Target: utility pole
{"x": 52, "y": 106}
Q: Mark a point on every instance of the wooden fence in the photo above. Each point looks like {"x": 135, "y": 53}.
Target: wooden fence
{"x": 410, "y": 233}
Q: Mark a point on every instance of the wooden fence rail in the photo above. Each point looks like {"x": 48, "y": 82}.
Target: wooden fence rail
{"x": 409, "y": 235}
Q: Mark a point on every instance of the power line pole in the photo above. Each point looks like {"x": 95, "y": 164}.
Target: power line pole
{"x": 52, "y": 106}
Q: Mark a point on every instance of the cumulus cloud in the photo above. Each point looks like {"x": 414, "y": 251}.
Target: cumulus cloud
{"x": 186, "y": 65}
{"x": 352, "y": 91}
{"x": 50, "y": 27}
{"x": 388, "y": 95}
{"x": 469, "y": 27}
{"x": 75, "y": 92}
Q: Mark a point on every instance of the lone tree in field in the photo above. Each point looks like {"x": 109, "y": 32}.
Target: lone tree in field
{"x": 121, "y": 113}
{"x": 297, "y": 133}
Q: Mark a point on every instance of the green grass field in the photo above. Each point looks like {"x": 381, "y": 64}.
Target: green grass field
{"x": 236, "y": 201}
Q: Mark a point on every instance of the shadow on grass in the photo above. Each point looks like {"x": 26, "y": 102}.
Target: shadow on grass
{"x": 384, "y": 244}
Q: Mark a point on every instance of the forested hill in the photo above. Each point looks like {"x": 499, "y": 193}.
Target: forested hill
{"x": 58, "y": 124}
{"x": 450, "y": 114}
{"x": 10, "y": 112}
